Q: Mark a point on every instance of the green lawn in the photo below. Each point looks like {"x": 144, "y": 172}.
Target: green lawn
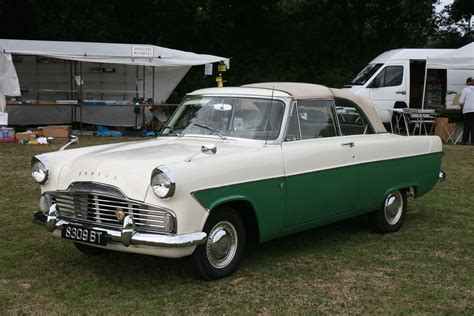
{"x": 427, "y": 267}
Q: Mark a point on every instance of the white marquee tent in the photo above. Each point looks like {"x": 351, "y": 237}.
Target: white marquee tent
{"x": 106, "y": 71}
{"x": 457, "y": 65}
{"x": 462, "y": 58}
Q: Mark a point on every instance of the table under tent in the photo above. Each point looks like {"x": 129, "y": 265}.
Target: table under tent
{"x": 52, "y": 82}
{"x": 445, "y": 77}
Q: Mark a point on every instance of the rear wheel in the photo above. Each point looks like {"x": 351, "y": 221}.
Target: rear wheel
{"x": 390, "y": 216}
{"x": 89, "y": 250}
{"x": 226, "y": 238}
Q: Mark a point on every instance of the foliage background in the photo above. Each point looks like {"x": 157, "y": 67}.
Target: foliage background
{"x": 318, "y": 41}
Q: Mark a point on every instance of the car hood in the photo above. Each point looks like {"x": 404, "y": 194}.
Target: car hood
{"x": 128, "y": 166}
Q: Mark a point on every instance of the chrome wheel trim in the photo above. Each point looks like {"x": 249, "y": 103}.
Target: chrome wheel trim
{"x": 221, "y": 245}
{"x": 393, "y": 207}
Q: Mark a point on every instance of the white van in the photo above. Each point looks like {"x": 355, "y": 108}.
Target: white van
{"x": 395, "y": 79}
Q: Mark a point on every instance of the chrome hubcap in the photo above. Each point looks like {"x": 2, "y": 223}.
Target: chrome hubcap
{"x": 221, "y": 244}
{"x": 393, "y": 207}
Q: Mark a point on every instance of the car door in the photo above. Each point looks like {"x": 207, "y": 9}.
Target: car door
{"x": 387, "y": 88}
{"x": 319, "y": 171}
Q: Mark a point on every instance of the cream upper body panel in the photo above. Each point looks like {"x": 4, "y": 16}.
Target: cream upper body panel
{"x": 128, "y": 166}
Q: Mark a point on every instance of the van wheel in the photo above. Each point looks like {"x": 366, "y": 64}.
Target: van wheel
{"x": 390, "y": 216}
{"x": 226, "y": 238}
{"x": 89, "y": 250}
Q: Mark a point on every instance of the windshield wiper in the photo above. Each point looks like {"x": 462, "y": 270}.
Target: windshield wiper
{"x": 212, "y": 129}
{"x": 172, "y": 130}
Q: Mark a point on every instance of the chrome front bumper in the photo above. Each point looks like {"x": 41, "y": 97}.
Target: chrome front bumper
{"x": 127, "y": 235}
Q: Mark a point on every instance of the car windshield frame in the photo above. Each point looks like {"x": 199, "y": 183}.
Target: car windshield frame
{"x": 231, "y": 126}
{"x": 365, "y": 74}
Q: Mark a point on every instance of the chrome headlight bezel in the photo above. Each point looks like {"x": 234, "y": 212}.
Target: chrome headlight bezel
{"x": 40, "y": 170}
{"x": 163, "y": 182}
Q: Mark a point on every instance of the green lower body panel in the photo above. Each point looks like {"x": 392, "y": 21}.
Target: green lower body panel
{"x": 267, "y": 198}
{"x": 290, "y": 204}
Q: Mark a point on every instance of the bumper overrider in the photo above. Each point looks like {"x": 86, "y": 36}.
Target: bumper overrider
{"x": 127, "y": 235}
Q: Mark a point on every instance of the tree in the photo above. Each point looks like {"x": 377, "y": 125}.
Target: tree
{"x": 454, "y": 25}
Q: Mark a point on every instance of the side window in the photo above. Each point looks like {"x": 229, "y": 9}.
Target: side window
{"x": 313, "y": 119}
{"x": 390, "y": 76}
{"x": 293, "y": 132}
{"x": 351, "y": 119}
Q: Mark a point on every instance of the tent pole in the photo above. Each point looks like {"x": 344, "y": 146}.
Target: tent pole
{"x": 136, "y": 84}
{"x": 80, "y": 96}
{"x": 71, "y": 96}
{"x": 153, "y": 83}
{"x": 144, "y": 96}
{"x": 424, "y": 87}
{"x": 144, "y": 83}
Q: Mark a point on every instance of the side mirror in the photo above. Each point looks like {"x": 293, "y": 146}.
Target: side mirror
{"x": 209, "y": 149}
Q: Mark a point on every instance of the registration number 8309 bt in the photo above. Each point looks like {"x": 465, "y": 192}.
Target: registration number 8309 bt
{"x": 85, "y": 235}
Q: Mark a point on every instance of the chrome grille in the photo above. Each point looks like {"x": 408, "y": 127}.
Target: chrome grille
{"x": 101, "y": 209}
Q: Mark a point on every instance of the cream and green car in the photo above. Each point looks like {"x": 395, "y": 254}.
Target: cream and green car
{"x": 263, "y": 160}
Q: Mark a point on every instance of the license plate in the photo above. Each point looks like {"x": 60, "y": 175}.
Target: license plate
{"x": 86, "y": 235}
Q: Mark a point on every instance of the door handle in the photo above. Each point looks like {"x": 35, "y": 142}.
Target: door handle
{"x": 401, "y": 92}
{"x": 349, "y": 144}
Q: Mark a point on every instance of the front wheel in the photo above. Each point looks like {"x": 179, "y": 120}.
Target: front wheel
{"x": 390, "y": 216}
{"x": 226, "y": 238}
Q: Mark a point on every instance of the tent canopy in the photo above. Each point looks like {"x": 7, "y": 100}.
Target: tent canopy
{"x": 129, "y": 54}
{"x": 170, "y": 64}
{"x": 462, "y": 58}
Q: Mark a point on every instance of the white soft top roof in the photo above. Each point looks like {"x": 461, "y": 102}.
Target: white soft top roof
{"x": 300, "y": 91}
{"x": 108, "y": 53}
{"x": 241, "y": 91}
{"x": 408, "y": 53}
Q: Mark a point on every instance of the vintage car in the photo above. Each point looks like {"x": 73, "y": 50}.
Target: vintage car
{"x": 263, "y": 160}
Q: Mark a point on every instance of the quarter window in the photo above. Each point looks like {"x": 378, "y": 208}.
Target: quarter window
{"x": 311, "y": 119}
{"x": 351, "y": 119}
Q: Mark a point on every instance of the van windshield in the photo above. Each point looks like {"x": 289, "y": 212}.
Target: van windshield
{"x": 365, "y": 74}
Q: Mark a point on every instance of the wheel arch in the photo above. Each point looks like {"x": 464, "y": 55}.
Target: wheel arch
{"x": 246, "y": 209}
{"x": 408, "y": 187}
{"x": 400, "y": 105}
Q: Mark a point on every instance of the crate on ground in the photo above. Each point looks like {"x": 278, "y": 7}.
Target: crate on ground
{"x": 59, "y": 131}
{"x": 443, "y": 128}
{"x": 28, "y": 135}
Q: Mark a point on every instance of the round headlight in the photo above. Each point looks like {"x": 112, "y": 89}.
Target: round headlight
{"x": 39, "y": 171}
{"x": 162, "y": 182}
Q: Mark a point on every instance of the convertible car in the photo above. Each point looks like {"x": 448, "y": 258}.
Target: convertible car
{"x": 262, "y": 160}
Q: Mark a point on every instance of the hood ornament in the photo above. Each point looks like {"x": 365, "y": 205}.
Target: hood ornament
{"x": 209, "y": 149}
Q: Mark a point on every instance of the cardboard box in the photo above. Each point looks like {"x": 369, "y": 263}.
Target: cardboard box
{"x": 443, "y": 128}
{"x": 59, "y": 131}
{"x": 26, "y": 135}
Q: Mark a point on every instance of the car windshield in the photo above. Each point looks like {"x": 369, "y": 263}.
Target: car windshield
{"x": 365, "y": 74}
{"x": 223, "y": 117}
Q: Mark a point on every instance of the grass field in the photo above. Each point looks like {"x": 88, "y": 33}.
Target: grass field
{"x": 427, "y": 267}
